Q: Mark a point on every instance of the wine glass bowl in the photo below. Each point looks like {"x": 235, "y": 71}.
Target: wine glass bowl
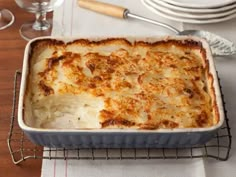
{"x": 6, "y": 18}
{"x": 34, "y": 6}
{"x": 41, "y": 26}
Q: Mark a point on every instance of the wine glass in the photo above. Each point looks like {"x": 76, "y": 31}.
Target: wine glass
{"x": 6, "y": 18}
{"x": 41, "y": 26}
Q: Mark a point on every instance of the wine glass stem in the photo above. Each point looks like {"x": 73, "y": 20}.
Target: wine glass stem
{"x": 41, "y": 22}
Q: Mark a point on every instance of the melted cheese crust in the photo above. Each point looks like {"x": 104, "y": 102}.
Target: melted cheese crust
{"x": 114, "y": 83}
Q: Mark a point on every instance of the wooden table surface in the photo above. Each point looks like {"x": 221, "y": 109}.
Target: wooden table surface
{"x": 11, "y": 55}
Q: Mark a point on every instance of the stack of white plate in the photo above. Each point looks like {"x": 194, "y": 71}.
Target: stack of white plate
{"x": 193, "y": 11}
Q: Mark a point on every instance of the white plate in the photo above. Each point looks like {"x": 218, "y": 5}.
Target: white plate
{"x": 195, "y": 10}
{"x": 200, "y": 3}
{"x": 188, "y": 14}
{"x": 187, "y": 20}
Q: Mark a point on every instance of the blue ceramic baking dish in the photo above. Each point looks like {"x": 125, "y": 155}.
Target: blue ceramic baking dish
{"x": 117, "y": 138}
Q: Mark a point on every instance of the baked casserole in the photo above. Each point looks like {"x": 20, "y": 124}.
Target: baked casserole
{"x": 118, "y": 83}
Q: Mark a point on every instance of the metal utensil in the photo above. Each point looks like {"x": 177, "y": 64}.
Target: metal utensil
{"x": 219, "y": 45}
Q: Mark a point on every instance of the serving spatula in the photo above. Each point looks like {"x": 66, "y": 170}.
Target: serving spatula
{"x": 219, "y": 45}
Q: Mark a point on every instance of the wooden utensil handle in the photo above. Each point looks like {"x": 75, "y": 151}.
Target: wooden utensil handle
{"x": 103, "y": 8}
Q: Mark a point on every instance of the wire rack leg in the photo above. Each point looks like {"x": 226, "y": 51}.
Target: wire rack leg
{"x": 15, "y": 161}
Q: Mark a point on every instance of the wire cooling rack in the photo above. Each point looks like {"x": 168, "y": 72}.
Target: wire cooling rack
{"x": 21, "y": 148}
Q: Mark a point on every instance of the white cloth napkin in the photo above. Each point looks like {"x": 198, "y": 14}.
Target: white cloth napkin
{"x": 119, "y": 168}
{"x": 80, "y": 22}
{"x": 70, "y": 20}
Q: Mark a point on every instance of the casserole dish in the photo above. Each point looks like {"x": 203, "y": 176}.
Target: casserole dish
{"x": 60, "y": 108}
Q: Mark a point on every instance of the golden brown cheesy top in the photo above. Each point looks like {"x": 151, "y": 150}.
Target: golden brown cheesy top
{"x": 142, "y": 85}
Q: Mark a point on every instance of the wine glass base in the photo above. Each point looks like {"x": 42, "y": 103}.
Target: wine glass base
{"x": 6, "y": 18}
{"x": 27, "y": 31}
